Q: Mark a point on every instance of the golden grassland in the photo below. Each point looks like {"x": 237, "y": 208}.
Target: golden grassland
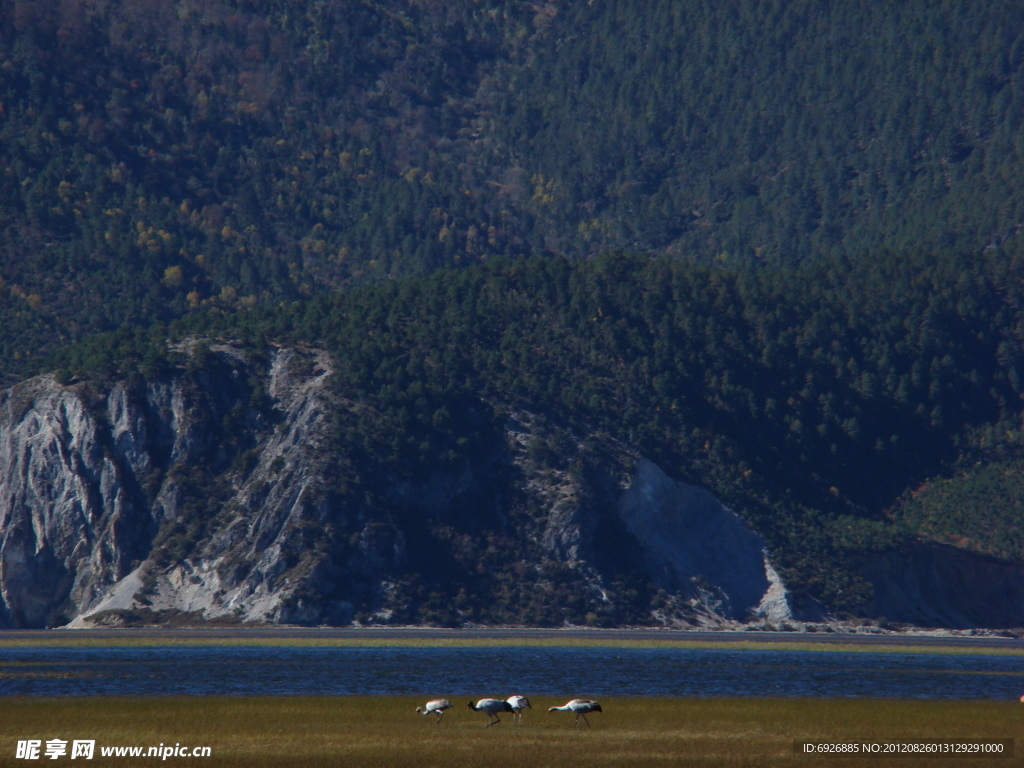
{"x": 386, "y": 731}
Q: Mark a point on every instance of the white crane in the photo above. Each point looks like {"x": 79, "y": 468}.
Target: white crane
{"x": 518, "y": 704}
{"x": 492, "y": 707}
{"x": 437, "y": 706}
{"x": 581, "y": 707}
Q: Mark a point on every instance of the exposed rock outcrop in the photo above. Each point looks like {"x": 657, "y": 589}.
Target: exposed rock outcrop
{"x": 211, "y": 492}
{"x": 87, "y": 480}
{"x": 73, "y": 518}
{"x": 223, "y": 490}
{"x": 692, "y": 541}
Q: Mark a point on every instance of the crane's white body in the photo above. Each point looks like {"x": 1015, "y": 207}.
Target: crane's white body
{"x": 437, "y": 706}
{"x": 518, "y": 704}
{"x": 491, "y": 707}
{"x": 580, "y": 707}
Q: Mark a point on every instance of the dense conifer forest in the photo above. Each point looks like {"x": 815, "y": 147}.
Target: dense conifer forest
{"x": 774, "y": 246}
{"x": 162, "y": 157}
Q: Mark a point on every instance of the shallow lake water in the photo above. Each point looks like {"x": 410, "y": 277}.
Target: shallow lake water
{"x": 501, "y": 671}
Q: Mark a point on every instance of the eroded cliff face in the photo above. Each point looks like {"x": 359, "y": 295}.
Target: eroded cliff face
{"x": 88, "y": 480}
{"x": 935, "y": 585}
{"x": 691, "y": 541}
{"x": 72, "y": 516}
{"x": 214, "y": 492}
{"x": 222, "y": 490}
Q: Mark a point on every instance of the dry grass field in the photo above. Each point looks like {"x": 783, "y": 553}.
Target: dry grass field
{"x": 386, "y": 731}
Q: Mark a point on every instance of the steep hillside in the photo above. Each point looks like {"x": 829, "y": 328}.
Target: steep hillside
{"x": 231, "y": 489}
{"x": 773, "y": 131}
{"x": 810, "y": 401}
{"x": 190, "y": 495}
{"x": 162, "y": 157}
{"x": 546, "y": 252}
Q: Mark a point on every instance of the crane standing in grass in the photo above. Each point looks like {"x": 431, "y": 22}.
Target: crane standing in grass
{"x": 437, "y": 706}
{"x": 492, "y": 707}
{"x": 581, "y": 707}
{"x": 518, "y": 704}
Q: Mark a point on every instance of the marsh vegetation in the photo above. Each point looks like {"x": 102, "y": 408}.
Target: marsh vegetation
{"x": 386, "y": 731}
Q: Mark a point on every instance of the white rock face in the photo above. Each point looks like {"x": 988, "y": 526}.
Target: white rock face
{"x": 774, "y": 606}
{"x": 88, "y": 480}
{"x": 690, "y": 538}
{"x": 70, "y": 522}
{"x": 79, "y": 508}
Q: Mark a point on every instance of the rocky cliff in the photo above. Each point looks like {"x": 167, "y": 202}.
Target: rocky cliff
{"x": 237, "y": 487}
{"x": 690, "y": 540}
{"x": 102, "y": 493}
{"x": 213, "y": 491}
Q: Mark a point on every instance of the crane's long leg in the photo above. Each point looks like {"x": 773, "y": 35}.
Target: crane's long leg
{"x": 440, "y": 714}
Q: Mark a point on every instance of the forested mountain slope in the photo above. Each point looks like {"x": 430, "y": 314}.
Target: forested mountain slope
{"x": 775, "y": 130}
{"x": 162, "y": 157}
{"x": 771, "y": 248}
{"x": 815, "y": 401}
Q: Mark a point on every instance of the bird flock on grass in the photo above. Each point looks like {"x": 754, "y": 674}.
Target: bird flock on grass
{"x": 514, "y": 704}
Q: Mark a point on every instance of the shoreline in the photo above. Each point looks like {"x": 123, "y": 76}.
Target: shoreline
{"x": 943, "y": 641}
